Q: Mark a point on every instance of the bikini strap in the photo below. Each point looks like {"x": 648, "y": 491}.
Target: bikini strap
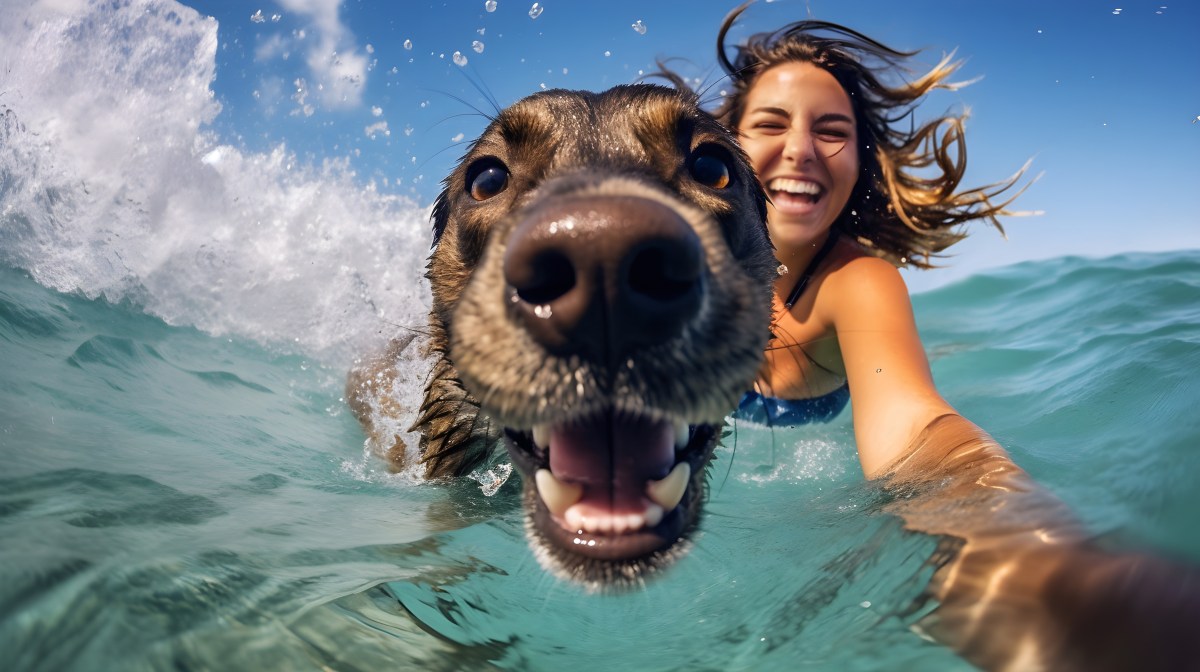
{"x": 810, "y": 270}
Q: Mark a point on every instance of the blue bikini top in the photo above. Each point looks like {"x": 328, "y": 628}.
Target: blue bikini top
{"x": 776, "y": 412}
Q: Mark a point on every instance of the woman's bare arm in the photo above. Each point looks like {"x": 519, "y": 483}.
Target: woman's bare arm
{"x": 892, "y": 389}
{"x": 1021, "y": 586}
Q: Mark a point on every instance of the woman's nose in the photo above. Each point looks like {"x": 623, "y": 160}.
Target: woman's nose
{"x": 798, "y": 146}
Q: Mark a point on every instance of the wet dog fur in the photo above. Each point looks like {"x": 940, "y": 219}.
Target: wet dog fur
{"x": 601, "y": 268}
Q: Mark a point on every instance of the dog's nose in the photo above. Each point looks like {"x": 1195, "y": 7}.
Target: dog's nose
{"x": 599, "y": 276}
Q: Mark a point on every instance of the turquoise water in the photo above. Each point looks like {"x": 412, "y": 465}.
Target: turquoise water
{"x": 182, "y": 487}
{"x": 171, "y": 498}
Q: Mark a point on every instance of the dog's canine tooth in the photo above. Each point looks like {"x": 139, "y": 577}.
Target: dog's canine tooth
{"x": 669, "y": 491}
{"x": 541, "y": 436}
{"x": 682, "y": 433}
{"x": 557, "y": 496}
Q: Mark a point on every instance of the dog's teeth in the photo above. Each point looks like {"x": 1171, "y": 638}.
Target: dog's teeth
{"x": 601, "y": 523}
{"x": 541, "y": 436}
{"x": 667, "y": 492}
{"x": 653, "y": 515}
{"x": 557, "y": 496}
{"x": 574, "y": 518}
{"x": 682, "y": 434}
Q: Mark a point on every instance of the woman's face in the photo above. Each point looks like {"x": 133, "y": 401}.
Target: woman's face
{"x": 799, "y": 130}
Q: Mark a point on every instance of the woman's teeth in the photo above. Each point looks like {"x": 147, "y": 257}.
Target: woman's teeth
{"x": 795, "y": 187}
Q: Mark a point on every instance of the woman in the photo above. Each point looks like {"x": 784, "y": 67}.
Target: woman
{"x": 831, "y": 142}
{"x": 854, "y": 193}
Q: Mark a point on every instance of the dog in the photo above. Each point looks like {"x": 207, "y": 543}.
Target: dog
{"x": 601, "y": 279}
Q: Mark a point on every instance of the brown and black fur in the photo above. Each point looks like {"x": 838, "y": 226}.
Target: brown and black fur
{"x": 491, "y": 377}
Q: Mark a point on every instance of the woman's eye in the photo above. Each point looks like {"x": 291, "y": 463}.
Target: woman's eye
{"x": 487, "y": 179}
{"x": 832, "y": 135}
{"x": 711, "y": 171}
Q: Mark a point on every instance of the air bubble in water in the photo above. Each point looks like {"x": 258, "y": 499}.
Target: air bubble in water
{"x": 477, "y": 46}
{"x": 491, "y": 480}
{"x": 639, "y": 27}
{"x": 459, "y": 59}
{"x": 535, "y": 11}
{"x": 408, "y": 45}
{"x": 490, "y": 5}
{"x": 1117, "y": 10}
{"x": 258, "y": 17}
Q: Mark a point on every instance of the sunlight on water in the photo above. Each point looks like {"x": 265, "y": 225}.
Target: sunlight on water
{"x": 185, "y": 487}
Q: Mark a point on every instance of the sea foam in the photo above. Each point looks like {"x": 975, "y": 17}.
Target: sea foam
{"x": 114, "y": 185}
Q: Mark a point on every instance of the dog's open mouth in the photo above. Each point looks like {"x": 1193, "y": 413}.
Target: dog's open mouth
{"x": 612, "y": 486}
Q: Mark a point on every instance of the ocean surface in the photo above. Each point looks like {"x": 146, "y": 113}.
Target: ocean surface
{"x": 183, "y": 487}
{"x": 174, "y": 499}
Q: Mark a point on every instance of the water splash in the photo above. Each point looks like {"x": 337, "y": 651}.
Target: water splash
{"x": 490, "y": 480}
{"x": 145, "y": 204}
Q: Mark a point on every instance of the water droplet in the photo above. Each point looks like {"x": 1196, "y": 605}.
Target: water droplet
{"x": 459, "y": 59}
{"x": 535, "y": 11}
{"x": 258, "y": 17}
{"x": 878, "y": 370}
{"x": 544, "y": 312}
{"x": 408, "y": 45}
{"x": 639, "y": 27}
{"x": 490, "y": 5}
{"x": 276, "y": 18}
{"x": 477, "y": 46}
{"x": 607, "y": 53}
{"x": 1117, "y": 10}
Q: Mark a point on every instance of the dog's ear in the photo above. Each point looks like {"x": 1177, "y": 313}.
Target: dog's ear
{"x": 440, "y": 215}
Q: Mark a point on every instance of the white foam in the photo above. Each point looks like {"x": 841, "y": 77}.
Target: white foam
{"x": 112, "y": 185}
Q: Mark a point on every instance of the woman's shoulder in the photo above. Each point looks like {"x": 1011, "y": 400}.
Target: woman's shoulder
{"x": 859, "y": 283}
{"x": 854, "y": 267}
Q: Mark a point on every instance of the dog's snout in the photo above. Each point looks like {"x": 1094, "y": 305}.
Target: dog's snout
{"x": 599, "y": 276}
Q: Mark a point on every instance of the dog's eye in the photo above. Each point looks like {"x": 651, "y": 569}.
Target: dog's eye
{"x": 486, "y": 178}
{"x": 711, "y": 169}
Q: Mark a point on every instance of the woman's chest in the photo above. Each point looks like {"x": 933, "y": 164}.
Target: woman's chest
{"x": 803, "y": 359}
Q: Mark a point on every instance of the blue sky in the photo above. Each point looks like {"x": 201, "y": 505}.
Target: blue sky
{"x": 1102, "y": 96}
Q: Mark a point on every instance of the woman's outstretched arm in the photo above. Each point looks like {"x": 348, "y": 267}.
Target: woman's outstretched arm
{"x": 1019, "y": 586}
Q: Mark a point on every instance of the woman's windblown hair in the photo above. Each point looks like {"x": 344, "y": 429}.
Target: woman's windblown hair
{"x": 906, "y": 205}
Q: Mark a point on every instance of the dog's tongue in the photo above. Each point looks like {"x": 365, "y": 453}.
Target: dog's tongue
{"x": 613, "y": 459}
